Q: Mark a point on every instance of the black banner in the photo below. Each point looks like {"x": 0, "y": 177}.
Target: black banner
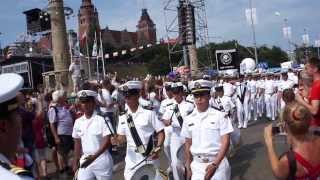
{"x": 227, "y": 59}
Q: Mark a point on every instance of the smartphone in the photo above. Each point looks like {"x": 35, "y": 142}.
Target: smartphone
{"x": 275, "y": 130}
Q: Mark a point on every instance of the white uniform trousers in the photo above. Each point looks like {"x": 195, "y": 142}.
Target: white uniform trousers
{"x": 260, "y": 105}
{"x": 270, "y": 106}
{"x": 223, "y": 172}
{"x": 167, "y": 142}
{"x": 247, "y": 110}
{"x": 177, "y": 165}
{"x": 132, "y": 158}
{"x": 240, "y": 113}
{"x": 100, "y": 169}
{"x": 253, "y": 106}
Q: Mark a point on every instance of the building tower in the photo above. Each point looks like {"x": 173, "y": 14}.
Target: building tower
{"x": 88, "y": 20}
{"x": 146, "y": 29}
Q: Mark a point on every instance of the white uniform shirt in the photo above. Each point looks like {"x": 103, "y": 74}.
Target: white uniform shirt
{"x": 146, "y": 123}
{"x": 269, "y": 86}
{"x": 185, "y": 109}
{"x": 107, "y": 98}
{"x": 190, "y": 98}
{"x": 225, "y": 101}
{"x": 293, "y": 78}
{"x": 8, "y": 175}
{"x": 164, "y": 104}
{"x": 91, "y": 132}
{"x": 253, "y": 86}
{"x": 228, "y": 89}
{"x": 285, "y": 85}
{"x": 206, "y": 129}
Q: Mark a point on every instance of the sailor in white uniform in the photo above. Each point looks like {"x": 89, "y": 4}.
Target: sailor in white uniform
{"x": 285, "y": 84}
{"x": 174, "y": 116}
{"x": 268, "y": 94}
{"x": 168, "y": 129}
{"x": 207, "y": 132}
{"x": 10, "y": 128}
{"x": 93, "y": 136}
{"x": 138, "y": 126}
{"x": 240, "y": 93}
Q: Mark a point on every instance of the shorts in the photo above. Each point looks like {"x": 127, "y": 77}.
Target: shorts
{"x": 40, "y": 154}
{"x": 66, "y": 144}
{"x": 75, "y": 80}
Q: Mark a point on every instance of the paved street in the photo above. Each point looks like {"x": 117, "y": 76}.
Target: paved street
{"x": 249, "y": 163}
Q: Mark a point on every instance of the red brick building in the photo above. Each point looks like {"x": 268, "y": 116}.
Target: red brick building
{"x": 89, "y": 23}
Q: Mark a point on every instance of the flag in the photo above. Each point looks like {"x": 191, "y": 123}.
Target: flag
{"x": 251, "y": 16}
{"x": 305, "y": 39}
{"x": 95, "y": 47}
{"x": 83, "y": 39}
{"x": 76, "y": 49}
{"x": 287, "y": 32}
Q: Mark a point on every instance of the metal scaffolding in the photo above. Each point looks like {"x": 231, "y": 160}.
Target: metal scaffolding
{"x": 174, "y": 37}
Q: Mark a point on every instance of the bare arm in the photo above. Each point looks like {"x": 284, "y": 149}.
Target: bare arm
{"x": 279, "y": 168}
{"x": 77, "y": 153}
{"x": 313, "y": 107}
{"x": 161, "y": 137}
{"x": 225, "y": 142}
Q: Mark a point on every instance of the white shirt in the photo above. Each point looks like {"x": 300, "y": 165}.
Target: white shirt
{"x": 164, "y": 104}
{"x": 225, "y": 101}
{"x": 269, "y": 86}
{"x": 185, "y": 108}
{"x": 253, "y": 86}
{"x": 108, "y": 99}
{"x": 228, "y": 89}
{"x": 293, "y": 78}
{"x": 91, "y": 132}
{"x": 8, "y": 175}
{"x": 285, "y": 85}
{"x": 75, "y": 70}
{"x": 146, "y": 123}
{"x": 206, "y": 129}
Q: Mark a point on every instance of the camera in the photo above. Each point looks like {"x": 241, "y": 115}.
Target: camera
{"x": 275, "y": 130}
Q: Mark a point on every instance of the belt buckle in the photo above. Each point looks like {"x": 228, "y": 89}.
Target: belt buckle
{"x": 205, "y": 160}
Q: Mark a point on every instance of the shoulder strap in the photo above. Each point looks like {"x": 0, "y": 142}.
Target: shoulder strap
{"x": 135, "y": 136}
{"x": 16, "y": 170}
{"x": 292, "y": 164}
{"x": 313, "y": 171}
{"x": 178, "y": 115}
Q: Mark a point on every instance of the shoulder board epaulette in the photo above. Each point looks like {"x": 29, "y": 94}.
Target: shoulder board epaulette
{"x": 147, "y": 108}
{"x": 190, "y": 112}
{"x": 123, "y": 112}
{"x": 169, "y": 104}
{"x": 218, "y": 109}
{"x": 189, "y": 101}
{"x": 16, "y": 170}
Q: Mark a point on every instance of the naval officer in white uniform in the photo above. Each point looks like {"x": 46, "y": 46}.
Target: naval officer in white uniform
{"x": 207, "y": 132}
{"x": 174, "y": 116}
{"x": 10, "y": 127}
{"x": 93, "y": 136}
{"x": 137, "y": 126}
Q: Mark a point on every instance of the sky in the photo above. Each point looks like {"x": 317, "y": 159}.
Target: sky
{"x": 226, "y": 18}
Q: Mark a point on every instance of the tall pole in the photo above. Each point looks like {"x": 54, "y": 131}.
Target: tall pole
{"x": 0, "y": 45}
{"x": 88, "y": 57}
{"x": 286, "y": 25}
{"x": 60, "y": 53}
{"x": 253, "y": 33}
{"x": 102, "y": 57}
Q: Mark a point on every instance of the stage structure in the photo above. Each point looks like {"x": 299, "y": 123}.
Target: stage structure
{"x": 186, "y": 29}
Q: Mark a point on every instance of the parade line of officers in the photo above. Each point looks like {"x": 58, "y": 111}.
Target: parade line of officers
{"x": 197, "y": 131}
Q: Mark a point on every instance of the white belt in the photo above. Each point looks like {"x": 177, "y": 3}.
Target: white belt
{"x": 203, "y": 159}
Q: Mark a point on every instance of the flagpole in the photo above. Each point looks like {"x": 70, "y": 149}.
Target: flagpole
{"x": 88, "y": 56}
{"x": 102, "y": 57}
{"x": 253, "y": 33}
{"x": 70, "y": 47}
{"x": 97, "y": 57}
